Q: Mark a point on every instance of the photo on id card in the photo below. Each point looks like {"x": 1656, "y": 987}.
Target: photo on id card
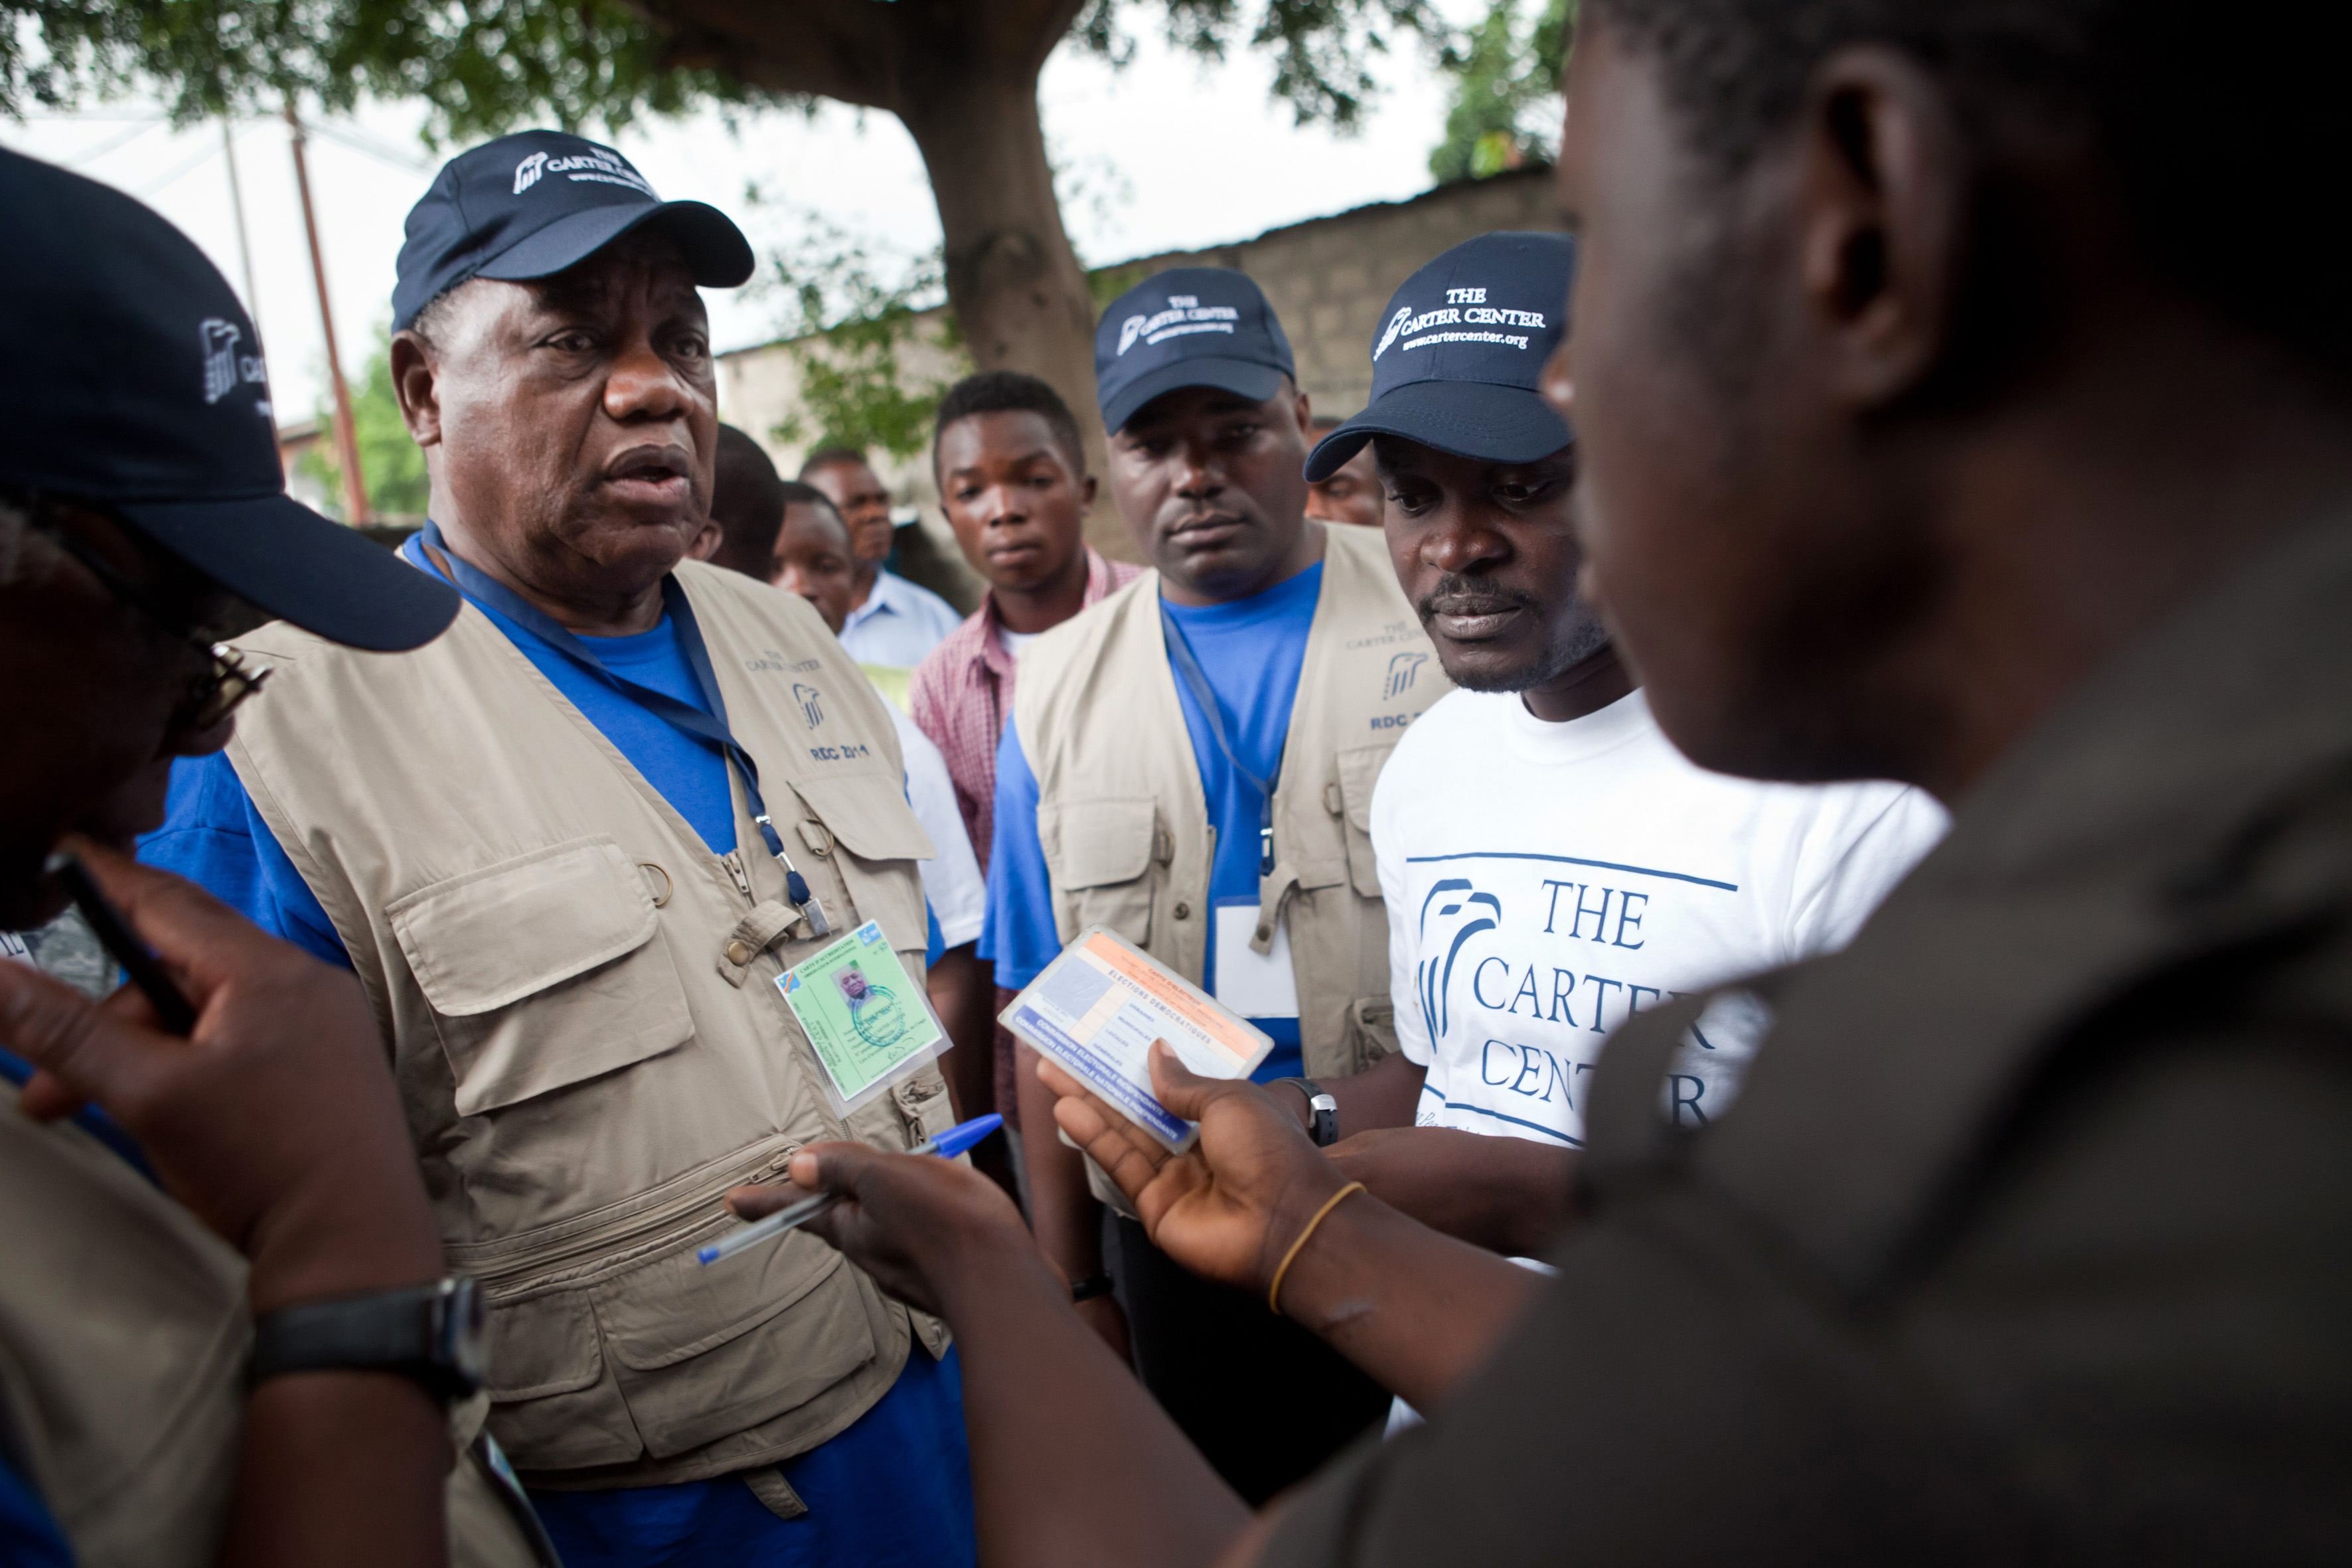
{"x": 1095, "y": 1010}
{"x": 866, "y": 1017}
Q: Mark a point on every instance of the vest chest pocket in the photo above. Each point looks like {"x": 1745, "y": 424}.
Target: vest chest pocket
{"x": 1359, "y": 770}
{"x": 541, "y": 971}
{"x": 863, "y": 827}
{"x": 1100, "y": 853}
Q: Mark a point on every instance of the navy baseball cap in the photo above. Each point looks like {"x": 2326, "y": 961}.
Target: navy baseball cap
{"x": 533, "y": 204}
{"x": 1190, "y": 326}
{"x": 137, "y": 386}
{"x": 1458, "y": 357}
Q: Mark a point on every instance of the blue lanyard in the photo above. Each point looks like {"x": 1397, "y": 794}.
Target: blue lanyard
{"x": 710, "y": 729}
{"x": 1197, "y": 681}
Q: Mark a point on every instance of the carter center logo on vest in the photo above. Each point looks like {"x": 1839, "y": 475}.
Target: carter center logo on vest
{"x": 1402, "y": 668}
{"x": 812, "y": 703}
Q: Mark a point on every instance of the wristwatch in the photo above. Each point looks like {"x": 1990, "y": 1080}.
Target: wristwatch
{"x": 432, "y": 1333}
{"x": 1322, "y": 1111}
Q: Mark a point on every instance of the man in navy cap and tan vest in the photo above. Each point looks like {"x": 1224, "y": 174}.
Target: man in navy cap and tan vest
{"x": 1191, "y": 762}
{"x": 570, "y": 849}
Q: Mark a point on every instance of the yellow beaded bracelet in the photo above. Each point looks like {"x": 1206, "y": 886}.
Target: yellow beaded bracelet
{"x": 1274, "y": 1292}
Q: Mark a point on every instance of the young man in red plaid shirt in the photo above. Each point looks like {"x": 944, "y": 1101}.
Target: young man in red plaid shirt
{"x": 1012, "y": 478}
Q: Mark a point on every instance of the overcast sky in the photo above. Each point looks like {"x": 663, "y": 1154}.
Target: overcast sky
{"x": 1167, "y": 155}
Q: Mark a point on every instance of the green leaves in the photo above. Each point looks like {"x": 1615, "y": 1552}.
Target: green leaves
{"x": 1503, "y": 69}
{"x": 483, "y": 66}
{"x": 390, "y": 462}
{"x": 855, "y": 317}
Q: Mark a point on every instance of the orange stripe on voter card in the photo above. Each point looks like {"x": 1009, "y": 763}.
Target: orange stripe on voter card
{"x": 1095, "y": 1010}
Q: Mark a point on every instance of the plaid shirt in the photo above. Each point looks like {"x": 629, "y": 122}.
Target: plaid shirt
{"x": 962, "y": 693}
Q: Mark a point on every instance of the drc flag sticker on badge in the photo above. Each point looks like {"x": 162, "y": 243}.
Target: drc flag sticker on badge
{"x": 867, "y": 1020}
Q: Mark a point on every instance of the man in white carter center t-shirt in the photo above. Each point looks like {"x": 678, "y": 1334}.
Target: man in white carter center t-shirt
{"x": 1551, "y": 865}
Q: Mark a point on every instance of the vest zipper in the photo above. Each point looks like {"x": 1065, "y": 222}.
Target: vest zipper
{"x": 630, "y": 1237}
{"x": 733, "y": 862}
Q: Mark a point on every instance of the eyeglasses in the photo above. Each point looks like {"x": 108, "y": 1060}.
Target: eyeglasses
{"x": 224, "y": 679}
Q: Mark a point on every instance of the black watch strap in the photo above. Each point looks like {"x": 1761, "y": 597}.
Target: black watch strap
{"x": 1322, "y": 1111}
{"x": 1092, "y": 1286}
{"x": 432, "y": 1333}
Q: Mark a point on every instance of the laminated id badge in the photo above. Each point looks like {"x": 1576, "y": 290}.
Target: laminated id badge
{"x": 866, "y": 1018}
{"x": 1095, "y": 1010}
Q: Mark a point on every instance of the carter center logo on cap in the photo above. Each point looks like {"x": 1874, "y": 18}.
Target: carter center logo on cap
{"x": 605, "y": 168}
{"x": 1463, "y": 308}
{"x": 225, "y": 368}
{"x": 1185, "y": 313}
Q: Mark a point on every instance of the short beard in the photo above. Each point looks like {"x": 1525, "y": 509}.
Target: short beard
{"x": 1588, "y": 637}
{"x": 1585, "y": 637}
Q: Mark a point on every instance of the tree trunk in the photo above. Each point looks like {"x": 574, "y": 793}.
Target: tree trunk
{"x": 1013, "y": 278}
{"x": 961, "y": 74}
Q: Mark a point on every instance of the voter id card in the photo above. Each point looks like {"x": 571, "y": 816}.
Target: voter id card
{"x": 1095, "y": 1010}
{"x": 867, "y": 1020}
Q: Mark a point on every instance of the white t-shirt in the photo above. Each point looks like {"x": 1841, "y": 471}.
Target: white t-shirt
{"x": 951, "y": 879}
{"x": 1015, "y": 642}
{"x": 1545, "y": 881}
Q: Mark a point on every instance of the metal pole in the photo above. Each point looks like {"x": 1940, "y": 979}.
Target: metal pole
{"x": 347, "y": 444}
{"x": 236, "y": 206}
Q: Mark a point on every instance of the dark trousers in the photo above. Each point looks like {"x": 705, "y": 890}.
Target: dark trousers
{"x": 1264, "y": 1400}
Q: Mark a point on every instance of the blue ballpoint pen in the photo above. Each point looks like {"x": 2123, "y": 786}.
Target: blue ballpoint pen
{"x": 947, "y": 1146}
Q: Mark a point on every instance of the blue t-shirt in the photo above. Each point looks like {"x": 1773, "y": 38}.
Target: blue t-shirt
{"x": 1251, "y": 651}
{"x": 919, "y": 1513}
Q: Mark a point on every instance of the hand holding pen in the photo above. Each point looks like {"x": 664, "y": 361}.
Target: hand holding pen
{"x": 913, "y": 1223}
{"x": 947, "y": 1146}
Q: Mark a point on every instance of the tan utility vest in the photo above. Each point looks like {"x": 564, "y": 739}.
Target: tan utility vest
{"x": 1124, "y": 821}
{"x": 578, "y": 998}
{"x": 123, "y": 1342}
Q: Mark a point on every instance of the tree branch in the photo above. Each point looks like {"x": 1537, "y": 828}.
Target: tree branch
{"x": 842, "y": 50}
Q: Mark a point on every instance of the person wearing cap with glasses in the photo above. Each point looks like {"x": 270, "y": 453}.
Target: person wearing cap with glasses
{"x": 570, "y": 849}
{"x": 1602, "y": 873}
{"x": 225, "y": 1331}
{"x": 1190, "y": 763}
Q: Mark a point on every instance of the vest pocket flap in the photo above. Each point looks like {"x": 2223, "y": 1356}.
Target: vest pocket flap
{"x": 868, "y": 812}
{"x": 1098, "y": 842}
{"x": 1359, "y": 770}
{"x": 542, "y": 1345}
{"x": 673, "y": 1308}
{"x": 489, "y": 938}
